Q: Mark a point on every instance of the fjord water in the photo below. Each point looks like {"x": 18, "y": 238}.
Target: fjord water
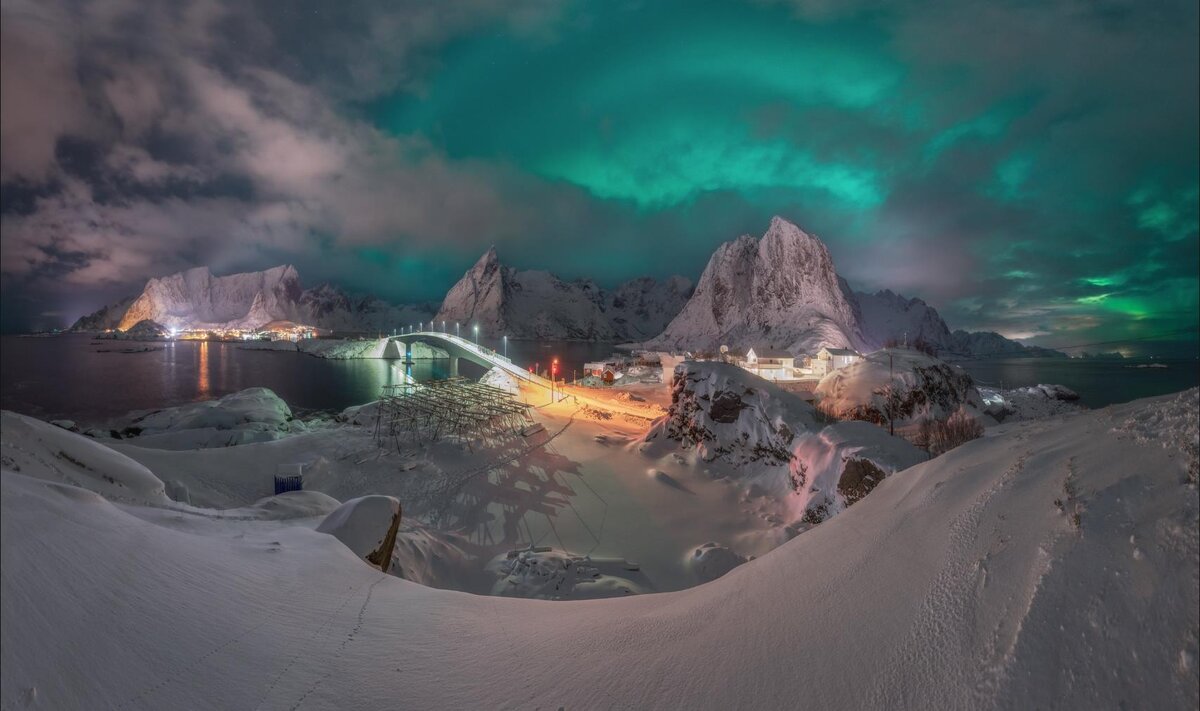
{"x": 80, "y": 378}
{"x": 77, "y": 377}
{"x": 1099, "y": 382}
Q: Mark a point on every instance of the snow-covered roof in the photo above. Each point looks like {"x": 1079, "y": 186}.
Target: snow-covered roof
{"x": 771, "y": 353}
{"x": 841, "y": 351}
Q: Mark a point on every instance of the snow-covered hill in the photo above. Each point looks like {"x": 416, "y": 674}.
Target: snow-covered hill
{"x": 105, "y": 318}
{"x": 780, "y": 291}
{"x": 195, "y": 299}
{"x": 538, "y": 305}
{"x": 1051, "y": 565}
{"x": 901, "y": 383}
{"x": 769, "y": 442}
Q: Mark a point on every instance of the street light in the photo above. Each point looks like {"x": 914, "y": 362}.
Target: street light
{"x": 443, "y": 326}
{"x": 476, "y": 334}
{"x": 456, "y": 334}
{"x": 506, "y": 345}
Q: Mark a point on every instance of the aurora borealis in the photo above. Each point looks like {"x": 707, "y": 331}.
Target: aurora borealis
{"x": 1029, "y": 168}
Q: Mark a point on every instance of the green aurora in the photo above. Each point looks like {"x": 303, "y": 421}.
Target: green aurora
{"x": 1028, "y": 168}
{"x": 1071, "y": 225}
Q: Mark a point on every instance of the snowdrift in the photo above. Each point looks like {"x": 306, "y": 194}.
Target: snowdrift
{"x": 368, "y": 526}
{"x": 1052, "y": 565}
{"x": 251, "y": 415}
{"x": 44, "y": 451}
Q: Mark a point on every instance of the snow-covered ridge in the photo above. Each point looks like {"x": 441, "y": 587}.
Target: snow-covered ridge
{"x": 196, "y": 299}
{"x": 538, "y": 305}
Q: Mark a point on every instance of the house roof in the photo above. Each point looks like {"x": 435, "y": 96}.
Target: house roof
{"x": 771, "y": 353}
{"x": 841, "y": 351}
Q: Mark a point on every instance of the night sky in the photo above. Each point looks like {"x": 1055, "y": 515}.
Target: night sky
{"x": 1025, "y": 167}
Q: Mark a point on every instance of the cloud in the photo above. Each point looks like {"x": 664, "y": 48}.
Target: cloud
{"x": 940, "y": 148}
{"x": 39, "y": 94}
{"x": 157, "y": 136}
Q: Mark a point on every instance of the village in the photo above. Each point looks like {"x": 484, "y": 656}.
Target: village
{"x": 790, "y": 371}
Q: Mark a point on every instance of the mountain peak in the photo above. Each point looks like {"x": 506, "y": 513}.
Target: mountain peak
{"x": 780, "y": 290}
{"x": 487, "y": 258}
{"x": 782, "y": 230}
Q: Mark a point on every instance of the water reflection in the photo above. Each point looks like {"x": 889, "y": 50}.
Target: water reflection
{"x": 203, "y": 387}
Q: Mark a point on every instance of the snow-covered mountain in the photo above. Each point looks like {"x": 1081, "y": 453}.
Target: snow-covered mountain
{"x": 642, "y": 308}
{"x": 782, "y": 291}
{"x": 195, "y": 299}
{"x": 328, "y": 306}
{"x": 886, "y": 316}
{"x": 539, "y": 305}
{"x": 105, "y": 318}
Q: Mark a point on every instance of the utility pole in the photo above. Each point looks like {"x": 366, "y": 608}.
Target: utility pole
{"x": 892, "y": 391}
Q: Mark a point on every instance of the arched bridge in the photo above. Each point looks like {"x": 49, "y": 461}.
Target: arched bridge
{"x": 457, "y": 347}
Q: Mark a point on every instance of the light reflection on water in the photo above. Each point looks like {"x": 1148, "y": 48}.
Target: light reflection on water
{"x": 202, "y": 385}
{"x": 77, "y": 377}
{"x": 91, "y": 381}
{"x": 69, "y": 376}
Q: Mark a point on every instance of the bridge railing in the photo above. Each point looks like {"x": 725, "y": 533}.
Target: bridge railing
{"x": 489, "y": 354}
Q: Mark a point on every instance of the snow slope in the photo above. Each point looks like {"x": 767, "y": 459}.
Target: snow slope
{"x": 1052, "y": 565}
{"x": 44, "y": 451}
{"x": 538, "y": 305}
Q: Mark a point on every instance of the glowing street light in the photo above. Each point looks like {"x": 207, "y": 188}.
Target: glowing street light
{"x": 443, "y": 326}
{"x": 506, "y": 345}
{"x": 476, "y": 334}
{"x": 456, "y": 333}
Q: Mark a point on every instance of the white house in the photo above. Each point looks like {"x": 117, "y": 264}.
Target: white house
{"x": 830, "y": 359}
{"x": 770, "y": 363}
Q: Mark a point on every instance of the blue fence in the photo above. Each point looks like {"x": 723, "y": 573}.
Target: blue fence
{"x": 294, "y": 482}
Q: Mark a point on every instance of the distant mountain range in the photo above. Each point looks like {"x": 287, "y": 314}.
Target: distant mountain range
{"x": 780, "y": 291}
{"x": 196, "y": 299}
{"x": 539, "y": 305}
